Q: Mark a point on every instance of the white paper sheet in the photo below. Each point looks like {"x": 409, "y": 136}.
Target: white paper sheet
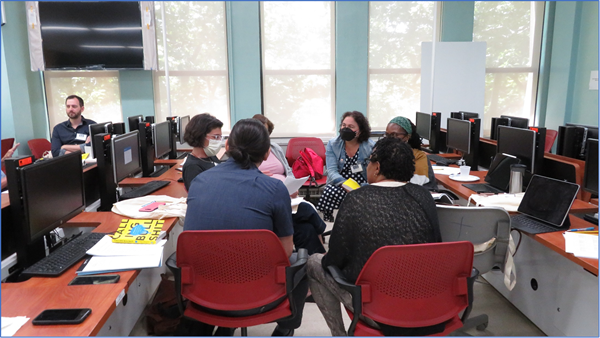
{"x": 106, "y": 247}
{"x": 102, "y": 264}
{"x": 581, "y": 245}
{"x": 443, "y": 170}
{"x": 293, "y": 184}
{"x": 10, "y": 325}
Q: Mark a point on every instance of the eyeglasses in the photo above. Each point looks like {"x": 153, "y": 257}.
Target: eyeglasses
{"x": 396, "y": 135}
{"x": 214, "y": 137}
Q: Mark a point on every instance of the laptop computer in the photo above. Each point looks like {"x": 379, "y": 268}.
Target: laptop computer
{"x": 545, "y": 206}
{"x": 497, "y": 177}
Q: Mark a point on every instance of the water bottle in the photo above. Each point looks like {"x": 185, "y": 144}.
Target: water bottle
{"x": 517, "y": 171}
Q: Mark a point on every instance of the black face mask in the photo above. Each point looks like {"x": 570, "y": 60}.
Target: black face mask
{"x": 347, "y": 134}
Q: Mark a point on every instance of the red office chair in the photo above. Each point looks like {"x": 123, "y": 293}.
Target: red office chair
{"x": 550, "y": 138}
{"x": 38, "y": 146}
{"x": 236, "y": 278}
{"x": 409, "y": 287}
{"x": 7, "y": 143}
{"x": 292, "y": 152}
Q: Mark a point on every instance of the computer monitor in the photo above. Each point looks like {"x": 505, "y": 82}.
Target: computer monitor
{"x": 423, "y": 122}
{"x": 497, "y": 121}
{"x": 458, "y": 135}
{"x": 133, "y": 122}
{"x": 160, "y": 138}
{"x": 126, "y": 155}
{"x": 99, "y": 128}
{"x": 181, "y": 125}
{"x": 463, "y": 115}
{"x": 590, "y": 176}
{"x": 517, "y": 122}
{"x": 520, "y": 143}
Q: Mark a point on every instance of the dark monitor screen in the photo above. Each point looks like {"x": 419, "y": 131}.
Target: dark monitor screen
{"x": 92, "y": 35}
{"x": 518, "y": 142}
{"x": 99, "y": 128}
{"x": 183, "y": 122}
{"x": 126, "y": 155}
{"x": 458, "y": 135}
{"x": 424, "y": 125}
{"x": 517, "y": 122}
{"x": 160, "y": 136}
{"x": 52, "y": 192}
{"x": 590, "y": 177}
{"x": 134, "y": 121}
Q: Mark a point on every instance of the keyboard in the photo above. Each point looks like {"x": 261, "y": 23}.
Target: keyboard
{"x": 181, "y": 155}
{"x": 64, "y": 257}
{"x": 440, "y": 160}
{"x": 144, "y": 190}
{"x": 483, "y": 188}
{"x": 160, "y": 171}
{"x": 531, "y": 225}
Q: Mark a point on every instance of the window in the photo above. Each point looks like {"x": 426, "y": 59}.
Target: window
{"x": 298, "y": 62}
{"x": 197, "y": 60}
{"x": 396, "y": 30}
{"x": 512, "y": 30}
{"x": 99, "y": 90}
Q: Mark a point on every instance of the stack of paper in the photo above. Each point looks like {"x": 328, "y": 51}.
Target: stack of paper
{"x": 582, "y": 243}
{"x": 112, "y": 257}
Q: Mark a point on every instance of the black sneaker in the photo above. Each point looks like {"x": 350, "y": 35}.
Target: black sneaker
{"x": 281, "y": 332}
{"x": 328, "y": 217}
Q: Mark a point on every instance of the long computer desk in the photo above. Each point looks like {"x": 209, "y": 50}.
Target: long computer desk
{"x": 115, "y": 307}
{"x": 557, "y": 291}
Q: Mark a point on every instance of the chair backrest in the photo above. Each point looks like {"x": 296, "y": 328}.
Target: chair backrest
{"x": 432, "y": 184}
{"x": 478, "y": 225}
{"x": 550, "y": 138}
{"x": 416, "y": 285}
{"x": 7, "y": 143}
{"x": 298, "y": 143}
{"x": 38, "y": 146}
{"x": 231, "y": 270}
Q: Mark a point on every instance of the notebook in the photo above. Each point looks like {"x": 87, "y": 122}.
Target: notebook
{"x": 497, "y": 177}
{"x": 545, "y": 206}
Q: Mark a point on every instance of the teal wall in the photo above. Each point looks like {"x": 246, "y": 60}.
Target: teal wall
{"x": 570, "y": 52}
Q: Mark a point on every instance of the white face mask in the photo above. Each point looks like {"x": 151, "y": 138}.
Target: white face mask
{"x": 213, "y": 148}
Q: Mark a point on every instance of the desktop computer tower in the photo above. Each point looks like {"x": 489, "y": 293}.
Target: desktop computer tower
{"x": 172, "y": 136}
{"x": 540, "y": 145}
{"x": 106, "y": 181}
{"x": 435, "y": 139}
{"x": 472, "y": 159}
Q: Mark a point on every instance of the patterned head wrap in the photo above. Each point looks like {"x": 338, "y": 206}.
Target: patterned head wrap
{"x": 403, "y": 122}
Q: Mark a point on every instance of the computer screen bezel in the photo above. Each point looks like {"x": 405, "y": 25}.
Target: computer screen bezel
{"x": 181, "y": 127}
{"x": 166, "y": 125}
{"x": 591, "y": 167}
{"x": 134, "y": 135}
{"x": 423, "y": 124}
{"x": 516, "y": 138}
{"x": 453, "y": 121}
{"x": 98, "y": 128}
{"x": 517, "y": 122}
{"x": 134, "y": 121}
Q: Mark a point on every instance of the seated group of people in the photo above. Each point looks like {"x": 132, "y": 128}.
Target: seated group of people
{"x": 246, "y": 192}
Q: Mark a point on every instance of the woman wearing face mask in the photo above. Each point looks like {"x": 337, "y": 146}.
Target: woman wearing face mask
{"x": 346, "y": 158}
{"x": 203, "y": 133}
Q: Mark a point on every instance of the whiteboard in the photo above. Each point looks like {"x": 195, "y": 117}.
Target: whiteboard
{"x": 458, "y": 78}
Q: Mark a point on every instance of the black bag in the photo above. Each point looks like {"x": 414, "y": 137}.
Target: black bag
{"x": 162, "y": 314}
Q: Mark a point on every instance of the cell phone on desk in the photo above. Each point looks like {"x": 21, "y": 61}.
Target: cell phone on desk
{"x": 95, "y": 279}
{"x": 61, "y": 316}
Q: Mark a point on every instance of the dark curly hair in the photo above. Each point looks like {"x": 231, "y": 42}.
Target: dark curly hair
{"x": 395, "y": 158}
{"x": 415, "y": 139}
{"x": 248, "y": 142}
{"x": 198, "y": 127}
{"x": 363, "y": 124}
{"x": 265, "y": 120}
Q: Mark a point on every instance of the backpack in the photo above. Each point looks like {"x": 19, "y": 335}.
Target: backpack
{"x": 308, "y": 164}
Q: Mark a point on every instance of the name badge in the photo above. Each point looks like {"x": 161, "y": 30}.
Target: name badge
{"x": 80, "y": 137}
{"x": 357, "y": 168}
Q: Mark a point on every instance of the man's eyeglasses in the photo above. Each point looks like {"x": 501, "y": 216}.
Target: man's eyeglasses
{"x": 214, "y": 137}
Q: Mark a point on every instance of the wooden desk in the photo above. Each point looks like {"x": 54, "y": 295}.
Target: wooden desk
{"x": 578, "y": 206}
{"x": 31, "y": 297}
{"x": 174, "y": 189}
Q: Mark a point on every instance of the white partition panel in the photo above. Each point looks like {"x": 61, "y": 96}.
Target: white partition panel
{"x": 458, "y": 77}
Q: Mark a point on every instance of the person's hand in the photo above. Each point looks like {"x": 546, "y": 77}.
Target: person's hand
{"x": 88, "y": 139}
{"x": 11, "y": 151}
{"x": 268, "y": 173}
{"x": 294, "y": 195}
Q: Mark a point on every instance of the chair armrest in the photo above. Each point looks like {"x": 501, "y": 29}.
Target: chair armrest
{"x": 296, "y": 272}
{"x": 470, "y": 283}
{"x": 355, "y": 291}
{"x": 172, "y": 265}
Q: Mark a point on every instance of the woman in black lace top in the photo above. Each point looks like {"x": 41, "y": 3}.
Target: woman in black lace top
{"x": 389, "y": 211}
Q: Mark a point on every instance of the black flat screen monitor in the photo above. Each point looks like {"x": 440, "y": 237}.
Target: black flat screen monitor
{"x": 517, "y": 122}
{"x": 91, "y": 35}
{"x": 518, "y": 142}
{"x": 160, "y": 136}
{"x": 463, "y": 115}
{"x": 52, "y": 192}
{"x": 182, "y": 124}
{"x": 126, "y": 155}
{"x": 458, "y": 135}
{"x": 590, "y": 176}
{"x": 134, "y": 121}
{"x": 99, "y": 128}
{"x": 424, "y": 125}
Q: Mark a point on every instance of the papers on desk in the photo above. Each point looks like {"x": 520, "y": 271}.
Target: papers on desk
{"x": 581, "y": 244}
{"x": 113, "y": 257}
{"x": 510, "y": 202}
{"x": 10, "y": 325}
{"x": 443, "y": 170}
{"x": 293, "y": 184}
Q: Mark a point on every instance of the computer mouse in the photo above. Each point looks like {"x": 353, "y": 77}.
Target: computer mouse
{"x": 180, "y": 180}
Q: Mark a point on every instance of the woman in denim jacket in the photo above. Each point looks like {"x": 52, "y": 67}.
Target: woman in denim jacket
{"x": 346, "y": 158}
